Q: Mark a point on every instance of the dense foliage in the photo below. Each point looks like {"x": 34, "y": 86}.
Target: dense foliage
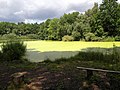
{"x": 96, "y": 24}
{"x": 13, "y": 51}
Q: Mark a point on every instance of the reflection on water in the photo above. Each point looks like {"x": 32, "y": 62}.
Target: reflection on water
{"x": 37, "y": 56}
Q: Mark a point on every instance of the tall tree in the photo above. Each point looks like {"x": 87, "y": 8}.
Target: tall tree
{"x": 53, "y": 29}
{"x": 109, "y": 15}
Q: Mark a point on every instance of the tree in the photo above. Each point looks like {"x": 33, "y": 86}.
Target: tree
{"x": 76, "y": 35}
{"x": 78, "y": 31}
{"x": 69, "y": 18}
{"x": 100, "y": 32}
{"x": 109, "y": 15}
{"x": 6, "y": 27}
{"x": 53, "y": 29}
{"x": 92, "y": 16}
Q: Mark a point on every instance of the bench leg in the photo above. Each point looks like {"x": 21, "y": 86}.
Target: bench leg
{"x": 89, "y": 74}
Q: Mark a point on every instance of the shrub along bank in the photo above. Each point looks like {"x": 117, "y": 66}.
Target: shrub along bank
{"x": 12, "y": 50}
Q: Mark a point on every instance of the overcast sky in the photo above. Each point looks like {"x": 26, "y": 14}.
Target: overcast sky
{"x": 40, "y": 10}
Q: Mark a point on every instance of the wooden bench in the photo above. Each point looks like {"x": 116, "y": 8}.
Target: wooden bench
{"x": 102, "y": 74}
{"x": 90, "y": 71}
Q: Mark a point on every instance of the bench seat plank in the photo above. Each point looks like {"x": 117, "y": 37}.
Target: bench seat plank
{"x": 101, "y": 70}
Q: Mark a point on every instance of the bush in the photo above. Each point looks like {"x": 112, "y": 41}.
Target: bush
{"x": 0, "y": 56}
{"x": 76, "y": 35}
{"x": 9, "y": 36}
{"x": 13, "y": 50}
{"x": 67, "y": 38}
{"x": 117, "y": 38}
{"x": 23, "y": 37}
{"x": 110, "y": 55}
{"x": 96, "y": 38}
{"x": 32, "y": 36}
{"x": 89, "y": 36}
{"x": 109, "y": 39}
{"x": 1, "y": 37}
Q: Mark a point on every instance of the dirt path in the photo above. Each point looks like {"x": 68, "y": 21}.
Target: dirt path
{"x": 39, "y": 78}
{"x": 5, "y": 75}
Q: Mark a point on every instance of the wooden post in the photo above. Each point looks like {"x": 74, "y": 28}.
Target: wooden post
{"x": 89, "y": 74}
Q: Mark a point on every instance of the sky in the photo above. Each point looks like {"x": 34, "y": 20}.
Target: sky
{"x": 31, "y": 11}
